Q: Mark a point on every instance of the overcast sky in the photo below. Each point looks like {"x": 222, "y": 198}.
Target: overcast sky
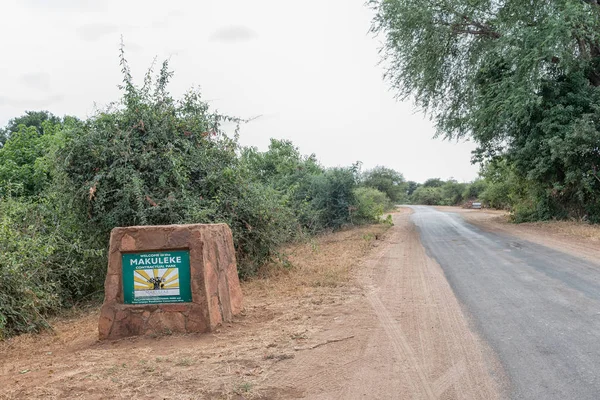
{"x": 309, "y": 68}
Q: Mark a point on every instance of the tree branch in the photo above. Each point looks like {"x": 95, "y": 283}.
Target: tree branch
{"x": 475, "y": 32}
{"x": 471, "y": 27}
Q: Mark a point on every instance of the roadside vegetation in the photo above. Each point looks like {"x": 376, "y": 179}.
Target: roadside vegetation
{"x": 288, "y": 313}
{"x": 521, "y": 79}
{"x": 150, "y": 159}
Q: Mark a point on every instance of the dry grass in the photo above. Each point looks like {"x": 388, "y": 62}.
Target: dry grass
{"x": 324, "y": 261}
{"x": 567, "y": 229}
{"x": 284, "y": 309}
{"x": 572, "y": 229}
{"x": 577, "y": 238}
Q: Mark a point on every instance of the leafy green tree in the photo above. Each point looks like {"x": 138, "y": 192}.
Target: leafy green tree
{"x": 18, "y": 172}
{"x": 332, "y": 193}
{"x": 411, "y": 186}
{"x": 281, "y": 165}
{"x": 477, "y": 66}
{"x": 152, "y": 159}
{"x": 433, "y": 182}
{"x": 558, "y": 149}
{"x": 27, "y": 159}
{"x": 452, "y": 192}
{"x": 474, "y": 189}
{"x": 520, "y": 78}
{"x": 370, "y": 204}
{"x": 24, "y": 160}
{"x": 35, "y": 119}
{"x": 503, "y": 188}
{"x": 388, "y": 181}
{"x": 283, "y": 168}
{"x": 427, "y": 195}
{"x": 320, "y": 198}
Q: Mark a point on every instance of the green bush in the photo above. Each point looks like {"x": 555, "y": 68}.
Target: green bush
{"x": 427, "y": 195}
{"x": 44, "y": 265}
{"x": 332, "y": 195}
{"x": 452, "y": 193}
{"x": 370, "y": 205}
{"x": 155, "y": 160}
{"x": 261, "y": 222}
{"x": 27, "y": 290}
{"x": 148, "y": 159}
{"x": 474, "y": 189}
{"x": 388, "y": 181}
{"x": 497, "y": 195}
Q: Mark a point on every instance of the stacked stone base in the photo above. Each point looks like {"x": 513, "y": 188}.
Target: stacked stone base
{"x": 152, "y": 319}
{"x": 216, "y": 292}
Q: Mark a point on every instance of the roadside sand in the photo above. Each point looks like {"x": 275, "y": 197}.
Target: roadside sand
{"x": 363, "y": 314}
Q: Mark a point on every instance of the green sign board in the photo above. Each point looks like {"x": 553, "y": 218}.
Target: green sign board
{"x": 156, "y": 277}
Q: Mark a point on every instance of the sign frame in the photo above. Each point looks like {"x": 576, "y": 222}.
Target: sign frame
{"x": 156, "y": 277}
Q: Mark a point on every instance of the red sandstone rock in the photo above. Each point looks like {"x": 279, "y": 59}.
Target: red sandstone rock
{"x": 215, "y": 287}
{"x": 174, "y": 307}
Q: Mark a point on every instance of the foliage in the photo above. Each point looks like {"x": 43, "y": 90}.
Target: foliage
{"x": 425, "y": 195}
{"x": 281, "y": 165}
{"x": 149, "y": 159}
{"x": 45, "y": 262}
{"x": 283, "y": 168}
{"x": 558, "y": 151}
{"x": 503, "y": 187}
{"x": 452, "y": 192}
{"x": 435, "y": 191}
{"x": 320, "y": 198}
{"x": 411, "y": 186}
{"x": 388, "y": 181}
{"x": 433, "y": 182}
{"x": 34, "y": 119}
{"x": 521, "y": 78}
{"x": 154, "y": 160}
{"x": 478, "y": 66}
{"x": 370, "y": 205}
{"x": 26, "y": 290}
{"x": 474, "y": 190}
{"x": 333, "y": 194}
{"x": 261, "y": 221}
{"x": 23, "y": 170}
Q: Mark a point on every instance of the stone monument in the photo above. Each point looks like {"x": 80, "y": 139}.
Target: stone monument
{"x": 170, "y": 278}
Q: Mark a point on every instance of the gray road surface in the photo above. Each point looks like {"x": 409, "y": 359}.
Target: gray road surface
{"x": 538, "y": 308}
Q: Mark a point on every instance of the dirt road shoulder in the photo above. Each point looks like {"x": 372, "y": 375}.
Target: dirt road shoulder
{"x": 363, "y": 314}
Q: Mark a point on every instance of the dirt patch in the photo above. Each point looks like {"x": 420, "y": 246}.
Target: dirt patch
{"x": 576, "y": 238}
{"x": 421, "y": 344}
{"x": 364, "y": 313}
{"x": 285, "y": 313}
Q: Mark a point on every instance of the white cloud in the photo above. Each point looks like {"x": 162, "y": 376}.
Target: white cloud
{"x": 36, "y": 80}
{"x": 233, "y": 34}
{"x": 94, "y": 31}
{"x": 310, "y": 66}
{"x": 31, "y": 103}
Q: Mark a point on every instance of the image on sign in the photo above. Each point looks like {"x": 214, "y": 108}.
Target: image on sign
{"x": 156, "y": 282}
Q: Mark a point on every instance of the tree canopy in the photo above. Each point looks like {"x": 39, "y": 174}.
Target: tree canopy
{"x": 388, "y": 181}
{"x": 478, "y": 65}
{"x": 35, "y": 119}
{"x": 520, "y": 78}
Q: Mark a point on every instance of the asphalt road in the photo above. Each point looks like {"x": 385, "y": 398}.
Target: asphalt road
{"x": 537, "y": 308}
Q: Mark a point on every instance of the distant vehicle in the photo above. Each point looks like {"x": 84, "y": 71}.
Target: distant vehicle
{"x": 476, "y": 205}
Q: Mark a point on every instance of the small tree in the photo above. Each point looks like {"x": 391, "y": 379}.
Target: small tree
{"x": 388, "y": 181}
{"x": 152, "y": 159}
